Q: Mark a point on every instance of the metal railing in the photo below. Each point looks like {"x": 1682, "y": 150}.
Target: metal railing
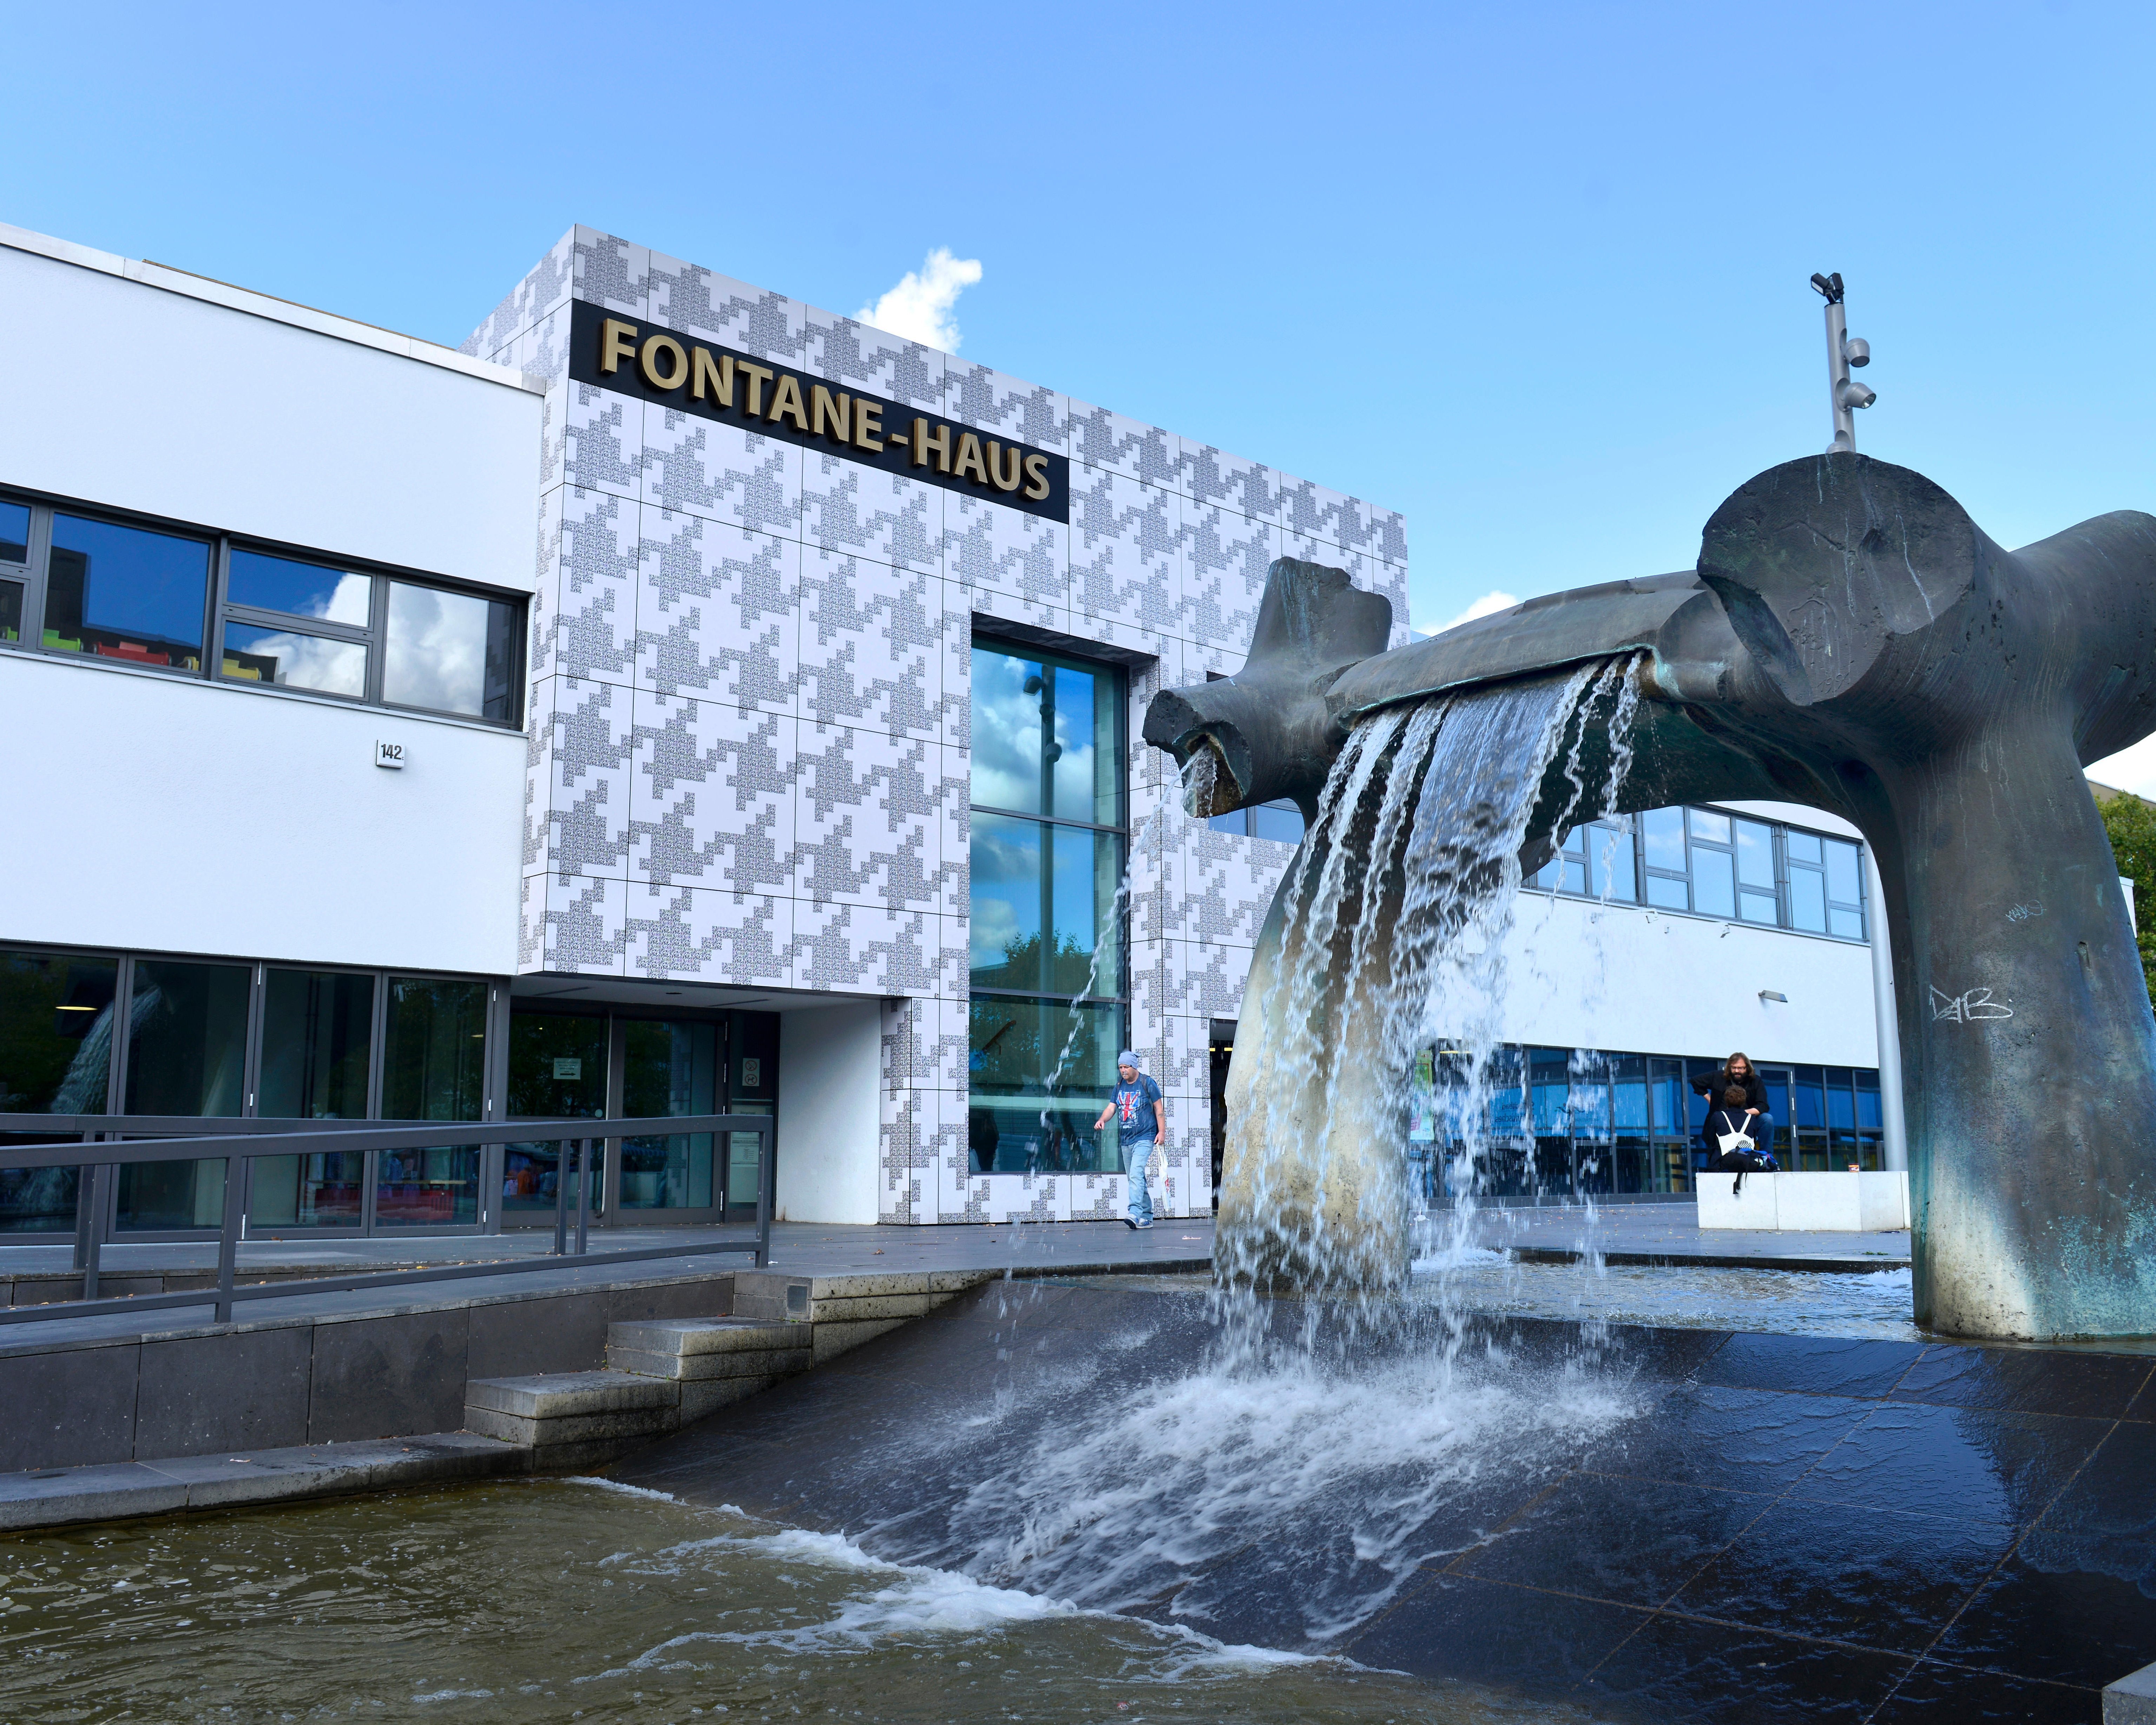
{"x": 247, "y": 1141}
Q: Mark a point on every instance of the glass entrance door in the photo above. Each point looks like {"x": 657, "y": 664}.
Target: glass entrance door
{"x": 557, "y": 1071}
{"x": 668, "y": 1067}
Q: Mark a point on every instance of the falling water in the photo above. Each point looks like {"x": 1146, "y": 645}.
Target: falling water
{"x": 1403, "y": 893}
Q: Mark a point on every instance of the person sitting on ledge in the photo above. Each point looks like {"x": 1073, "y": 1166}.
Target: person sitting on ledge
{"x": 1737, "y": 1129}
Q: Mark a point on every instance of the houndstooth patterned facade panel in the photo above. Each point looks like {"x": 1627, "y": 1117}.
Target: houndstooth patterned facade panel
{"x": 1126, "y": 551}
{"x": 749, "y": 750}
{"x": 1022, "y": 412}
{"x": 857, "y": 356}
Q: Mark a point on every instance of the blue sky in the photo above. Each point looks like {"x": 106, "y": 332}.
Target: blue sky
{"x": 1535, "y": 275}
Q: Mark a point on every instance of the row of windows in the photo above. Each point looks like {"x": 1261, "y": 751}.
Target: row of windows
{"x": 1715, "y": 864}
{"x": 204, "y": 1038}
{"x": 74, "y": 581}
{"x": 1562, "y": 1120}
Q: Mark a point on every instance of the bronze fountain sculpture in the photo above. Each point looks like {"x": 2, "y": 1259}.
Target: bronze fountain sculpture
{"x": 1850, "y": 639}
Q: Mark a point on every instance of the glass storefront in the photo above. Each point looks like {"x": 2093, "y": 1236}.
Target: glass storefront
{"x": 620, "y": 1066}
{"x": 207, "y": 1039}
{"x": 434, "y": 1041}
{"x": 187, "y": 1053}
{"x": 1049, "y": 1008}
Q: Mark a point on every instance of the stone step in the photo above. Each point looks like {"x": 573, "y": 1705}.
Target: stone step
{"x": 704, "y": 1350}
{"x": 686, "y": 1336}
{"x": 580, "y": 1418}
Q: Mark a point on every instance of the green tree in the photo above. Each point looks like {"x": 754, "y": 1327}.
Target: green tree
{"x": 2132, "y": 825}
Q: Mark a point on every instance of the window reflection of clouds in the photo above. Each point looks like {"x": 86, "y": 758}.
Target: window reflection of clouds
{"x": 1006, "y": 888}
{"x": 300, "y": 661}
{"x": 304, "y": 589}
{"x": 437, "y": 649}
{"x": 1073, "y": 731}
{"x": 1007, "y": 746}
{"x": 1006, "y": 732}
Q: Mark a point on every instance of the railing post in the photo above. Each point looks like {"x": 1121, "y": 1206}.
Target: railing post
{"x": 764, "y": 1197}
{"x": 561, "y": 1196}
{"x": 228, "y": 1242}
{"x": 94, "y": 1245}
{"x": 583, "y": 1191}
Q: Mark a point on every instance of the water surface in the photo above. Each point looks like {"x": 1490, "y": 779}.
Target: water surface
{"x": 543, "y": 1601}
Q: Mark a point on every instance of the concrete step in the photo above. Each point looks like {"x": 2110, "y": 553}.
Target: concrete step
{"x": 572, "y": 1419}
{"x": 709, "y": 1348}
{"x": 846, "y": 1311}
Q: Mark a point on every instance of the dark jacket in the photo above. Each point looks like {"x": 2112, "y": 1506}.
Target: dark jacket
{"x": 1755, "y": 1091}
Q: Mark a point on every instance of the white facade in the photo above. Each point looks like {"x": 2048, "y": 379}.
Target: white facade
{"x": 190, "y": 815}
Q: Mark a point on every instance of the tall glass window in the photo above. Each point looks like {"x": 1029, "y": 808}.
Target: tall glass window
{"x": 317, "y": 1027}
{"x": 1049, "y": 1007}
{"x": 434, "y": 1055}
{"x": 187, "y": 1053}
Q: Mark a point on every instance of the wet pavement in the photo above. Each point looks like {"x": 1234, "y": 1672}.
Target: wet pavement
{"x": 1647, "y": 1524}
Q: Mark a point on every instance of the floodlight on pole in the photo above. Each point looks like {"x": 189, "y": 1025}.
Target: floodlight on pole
{"x": 1845, "y": 394}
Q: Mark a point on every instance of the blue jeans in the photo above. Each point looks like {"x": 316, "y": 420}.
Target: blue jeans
{"x": 1135, "y": 1158}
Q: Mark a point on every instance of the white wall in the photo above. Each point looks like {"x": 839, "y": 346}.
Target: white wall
{"x": 1586, "y": 975}
{"x": 829, "y": 1067}
{"x": 123, "y": 393}
{"x": 151, "y": 811}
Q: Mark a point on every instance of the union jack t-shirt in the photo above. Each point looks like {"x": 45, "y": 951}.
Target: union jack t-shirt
{"x": 1136, "y": 1122}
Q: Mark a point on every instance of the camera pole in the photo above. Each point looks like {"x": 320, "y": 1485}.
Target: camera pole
{"x": 1843, "y": 393}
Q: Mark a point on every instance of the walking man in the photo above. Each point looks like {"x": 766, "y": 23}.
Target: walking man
{"x": 1141, "y": 1122}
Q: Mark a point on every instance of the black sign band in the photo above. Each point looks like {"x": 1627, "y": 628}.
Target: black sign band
{"x": 632, "y": 355}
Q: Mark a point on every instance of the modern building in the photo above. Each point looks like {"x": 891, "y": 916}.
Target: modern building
{"x": 679, "y": 698}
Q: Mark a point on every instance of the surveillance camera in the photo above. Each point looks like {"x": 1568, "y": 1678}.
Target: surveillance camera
{"x": 1856, "y": 395}
{"x": 1856, "y": 351}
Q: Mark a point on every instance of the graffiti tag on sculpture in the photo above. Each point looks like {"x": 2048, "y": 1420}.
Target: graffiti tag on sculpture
{"x": 1974, "y": 1007}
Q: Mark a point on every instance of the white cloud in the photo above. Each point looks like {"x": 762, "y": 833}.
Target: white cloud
{"x": 1491, "y": 602}
{"x": 919, "y": 308}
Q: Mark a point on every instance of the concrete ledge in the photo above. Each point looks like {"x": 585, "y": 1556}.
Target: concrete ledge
{"x": 1815, "y": 1203}
{"x": 708, "y": 1395}
{"x": 59, "y": 1496}
{"x": 2131, "y": 1700}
